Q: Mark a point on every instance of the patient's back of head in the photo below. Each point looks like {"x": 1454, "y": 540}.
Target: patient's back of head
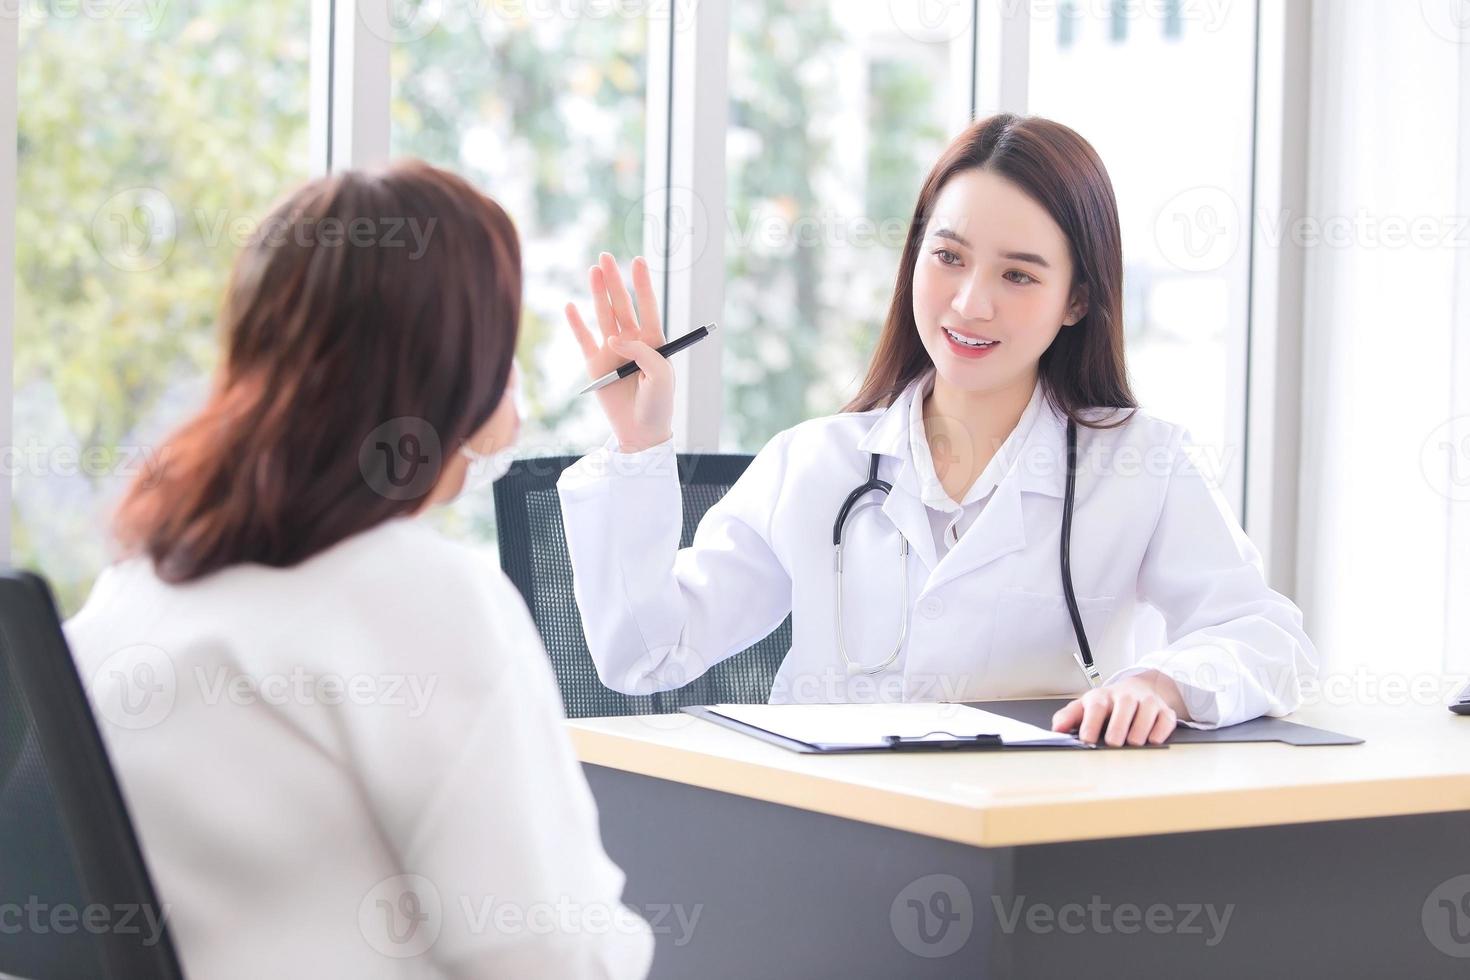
{"x": 368, "y": 330}
{"x": 306, "y": 691}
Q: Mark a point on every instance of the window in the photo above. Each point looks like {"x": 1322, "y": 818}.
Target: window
{"x": 1066, "y": 24}
{"x": 1118, "y": 29}
{"x": 136, "y": 188}
{"x": 1179, "y": 156}
{"x": 837, "y": 112}
{"x": 152, "y": 138}
{"x": 1173, "y": 19}
{"x": 543, "y": 107}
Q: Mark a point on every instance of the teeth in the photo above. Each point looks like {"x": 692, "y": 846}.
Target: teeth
{"x": 969, "y": 343}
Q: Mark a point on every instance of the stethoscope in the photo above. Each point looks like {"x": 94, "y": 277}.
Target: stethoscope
{"x": 1083, "y": 655}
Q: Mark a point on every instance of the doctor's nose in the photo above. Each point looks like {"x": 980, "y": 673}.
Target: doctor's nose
{"x": 973, "y": 301}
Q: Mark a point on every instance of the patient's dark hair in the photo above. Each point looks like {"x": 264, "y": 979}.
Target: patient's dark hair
{"x": 371, "y": 311}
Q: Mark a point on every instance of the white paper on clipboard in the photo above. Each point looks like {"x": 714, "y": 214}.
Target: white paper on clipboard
{"x": 869, "y": 724}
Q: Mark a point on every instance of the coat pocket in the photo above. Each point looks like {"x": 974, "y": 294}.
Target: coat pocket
{"x": 1033, "y": 647}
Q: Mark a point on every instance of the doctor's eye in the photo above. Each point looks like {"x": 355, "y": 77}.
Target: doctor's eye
{"x": 942, "y": 252}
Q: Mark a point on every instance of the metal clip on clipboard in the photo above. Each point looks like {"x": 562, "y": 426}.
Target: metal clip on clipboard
{"x": 911, "y": 743}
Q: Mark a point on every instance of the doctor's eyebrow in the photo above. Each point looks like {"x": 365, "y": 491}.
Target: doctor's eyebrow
{"x": 955, "y": 236}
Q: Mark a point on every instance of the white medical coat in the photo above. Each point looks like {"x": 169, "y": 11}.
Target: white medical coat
{"x": 988, "y": 620}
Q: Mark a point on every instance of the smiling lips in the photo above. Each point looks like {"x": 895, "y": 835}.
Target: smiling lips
{"x": 967, "y": 346}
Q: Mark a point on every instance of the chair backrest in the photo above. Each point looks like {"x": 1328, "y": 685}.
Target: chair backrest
{"x": 75, "y": 896}
{"x": 533, "y": 552}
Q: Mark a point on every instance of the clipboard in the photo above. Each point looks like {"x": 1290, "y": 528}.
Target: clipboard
{"x": 888, "y": 743}
{"x": 1038, "y": 711}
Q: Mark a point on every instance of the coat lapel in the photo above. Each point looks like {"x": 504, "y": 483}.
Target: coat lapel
{"x": 1037, "y": 466}
{"x": 902, "y": 506}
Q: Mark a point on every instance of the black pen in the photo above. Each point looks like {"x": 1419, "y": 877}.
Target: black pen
{"x": 672, "y": 347}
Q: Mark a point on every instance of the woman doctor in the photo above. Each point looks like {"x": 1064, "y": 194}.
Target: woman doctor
{"x": 1006, "y": 323}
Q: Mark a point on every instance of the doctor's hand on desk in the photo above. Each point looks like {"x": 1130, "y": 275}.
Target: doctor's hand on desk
{"x": 640, "y": 407}
{"x": 1141, "y": 708}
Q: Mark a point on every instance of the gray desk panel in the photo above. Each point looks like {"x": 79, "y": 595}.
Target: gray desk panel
{"x": 784, "y": 892}
{"x": 781, "y": 892}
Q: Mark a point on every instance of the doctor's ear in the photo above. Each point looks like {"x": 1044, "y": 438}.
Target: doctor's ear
{"x": 1078, "y": 309}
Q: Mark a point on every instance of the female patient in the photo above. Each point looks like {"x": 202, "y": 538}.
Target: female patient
{"x": 337, "y": 731}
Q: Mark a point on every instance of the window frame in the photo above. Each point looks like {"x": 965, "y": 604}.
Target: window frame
{"x": 1271, "y": 404}
{"x": 687, "y": 110}
{"x": 687, "y": 113}
{"x": 9, "y": 175}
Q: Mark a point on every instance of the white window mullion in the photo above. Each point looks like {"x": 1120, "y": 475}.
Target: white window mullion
{"x": 1457, "y": 574}
{"x": 1003, "y": 56}
{"x": 360, "y": 83}
{"x": 651, "y": 233}
{"x": 684, "y": 227}
{"x": 320, "y": 94}
{"x": 1274, "y": 411}
{"x": 9, "y": 111}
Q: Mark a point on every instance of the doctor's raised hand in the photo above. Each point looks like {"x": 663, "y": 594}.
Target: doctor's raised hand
{"x": 640, "y": 407}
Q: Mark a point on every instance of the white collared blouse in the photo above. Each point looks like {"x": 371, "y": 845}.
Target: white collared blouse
{"x": 949, "y": 519}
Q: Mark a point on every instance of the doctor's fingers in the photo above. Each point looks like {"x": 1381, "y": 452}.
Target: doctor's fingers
{"x": 1143, "y": 721}
{"x": 1067, "y": 717}
{"x": 1096, "y": 706}
{"x": 648, "y": 315}
{"x": 1164, "y": 725}
{"x": 617, "y": 292}
{"x": 607, "y": 321}
{"x": 649, "y": 361}
{"x": 1125, "y": 706}
{"x": 579, "y": 330}
{"x": 1070, "y": 717}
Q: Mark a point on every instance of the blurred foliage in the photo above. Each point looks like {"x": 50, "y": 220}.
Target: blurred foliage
{"x": 143, "y": 148}
{"x": 505, "y": 100}
{"x": 546, "y": 114}
{"x": 804, "y": 310}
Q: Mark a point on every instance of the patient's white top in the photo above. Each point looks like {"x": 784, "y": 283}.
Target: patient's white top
{"x": 355, "y": 767}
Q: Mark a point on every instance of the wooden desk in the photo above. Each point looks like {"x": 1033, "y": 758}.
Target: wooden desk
{"x": 1328, "y": 857}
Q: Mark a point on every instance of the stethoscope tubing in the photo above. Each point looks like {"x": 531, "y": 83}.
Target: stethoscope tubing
{"x": 1083, "y": 656}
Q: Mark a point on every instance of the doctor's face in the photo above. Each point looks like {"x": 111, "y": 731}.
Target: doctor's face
{"x": 993, "y": 266}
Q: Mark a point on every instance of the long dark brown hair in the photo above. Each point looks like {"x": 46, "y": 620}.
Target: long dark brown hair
{"x": 370, "y": 312}
{"x": 1083, "y": 368}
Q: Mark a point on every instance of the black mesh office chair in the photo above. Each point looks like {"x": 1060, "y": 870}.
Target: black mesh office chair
{"x": 533, "y": 552}
{"x": 67, "y": 848}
